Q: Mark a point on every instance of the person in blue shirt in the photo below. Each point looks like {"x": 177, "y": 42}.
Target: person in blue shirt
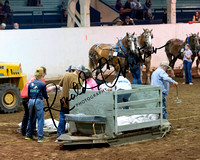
{"x": 161, "y": 78}
{"x": 36, "y": 93}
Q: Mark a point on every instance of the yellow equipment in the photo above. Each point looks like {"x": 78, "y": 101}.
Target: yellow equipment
{"x": 12, "y": 82}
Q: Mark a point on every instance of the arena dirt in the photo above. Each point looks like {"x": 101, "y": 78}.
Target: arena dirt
{"x": 182, "y": 143}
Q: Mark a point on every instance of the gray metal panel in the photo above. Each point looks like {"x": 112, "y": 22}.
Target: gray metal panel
{"x": 95, "y": 103}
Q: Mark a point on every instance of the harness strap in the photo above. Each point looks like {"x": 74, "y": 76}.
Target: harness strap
{"x": 122, "y": 46}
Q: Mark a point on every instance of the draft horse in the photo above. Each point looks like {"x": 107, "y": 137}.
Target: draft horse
{"x": 106, "y": 52}
{"x": 145, "y": 49}
{"x": 175, "y": 47}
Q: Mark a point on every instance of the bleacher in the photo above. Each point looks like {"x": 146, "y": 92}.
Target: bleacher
{"x": 47, "y": 16}
{"x": 185, "y": 9}
{"x": 23, "y": 14}
{"x": 49, "y": 13}
{"x": 156, "y": 4}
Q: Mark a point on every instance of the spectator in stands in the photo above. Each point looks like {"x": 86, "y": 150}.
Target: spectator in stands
{"x": 133, "y": 9}
{"x": 119, "y": 22}
{"x": 128, "y": 21}
{"x": 196, "y": 17}
{"x": 7, "y": 12}
{"x": 64, "y": 16}
{"x": 126, "y": 10}
{"x": 2, "y": 26}
{"x": 15, "y": 26}
{"x": 1, "y": 12}
{"x": 62, "y": 9}
{"x": 147, "y": 7}
{"x": 140, "y": 12}
{"x": 118, "y": 5}
{"x": 164, "y": 19}
{"x": 39, "y": 3}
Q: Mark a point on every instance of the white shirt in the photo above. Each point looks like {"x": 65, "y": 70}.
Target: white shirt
{"x": 122, "y": 83}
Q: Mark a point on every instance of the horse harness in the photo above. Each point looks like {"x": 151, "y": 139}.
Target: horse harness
{"x": 119, "y": 49}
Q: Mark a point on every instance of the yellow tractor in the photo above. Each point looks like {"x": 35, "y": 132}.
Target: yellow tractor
{"x": 12, "y": 82}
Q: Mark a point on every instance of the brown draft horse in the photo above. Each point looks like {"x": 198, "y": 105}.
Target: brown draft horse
{"x": 108, "y": 51}
{"x": 145, "y": 45}
{"x": 175, "y": 47}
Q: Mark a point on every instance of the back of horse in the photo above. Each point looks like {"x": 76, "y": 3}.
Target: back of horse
{"x": 103, "y": 50}
{"x": 174, "y": 47}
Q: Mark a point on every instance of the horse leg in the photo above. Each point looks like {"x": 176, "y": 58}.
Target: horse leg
{"x": 169, "y": 56}
{"x": 172, "y": 63}
{"x": 197, "y": 66}
{"x": 148, "y": 73}
{"x": 141, "y": 74}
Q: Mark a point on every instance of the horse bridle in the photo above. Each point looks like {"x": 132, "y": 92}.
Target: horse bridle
{"x": 120, "y": 48}
{"x": 196, "y": 44}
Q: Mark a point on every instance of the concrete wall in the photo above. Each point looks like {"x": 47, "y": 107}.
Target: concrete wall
{"x": 58, "y": 48}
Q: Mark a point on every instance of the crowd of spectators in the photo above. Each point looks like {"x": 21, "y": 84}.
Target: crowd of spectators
{"x": 134, "y": 9}
{"x": 5, "y": 12}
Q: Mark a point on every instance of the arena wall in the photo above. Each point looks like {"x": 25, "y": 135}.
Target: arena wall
{"x": 56, "y": 49}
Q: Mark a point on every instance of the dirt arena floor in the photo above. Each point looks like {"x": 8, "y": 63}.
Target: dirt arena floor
{"x": 182, "y": 143}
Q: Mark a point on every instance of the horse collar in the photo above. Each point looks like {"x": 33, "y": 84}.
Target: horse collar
{"x": 122, "y": 46}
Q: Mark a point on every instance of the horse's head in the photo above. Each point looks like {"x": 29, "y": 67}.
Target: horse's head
{"x": 193, "y": 41}
{"x": 146, "y": 37}
{"x": 128, "y": 42}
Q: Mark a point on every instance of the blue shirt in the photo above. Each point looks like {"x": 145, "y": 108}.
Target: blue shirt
{"x": 37, "y": 89}
{"x": 161, "y": 78}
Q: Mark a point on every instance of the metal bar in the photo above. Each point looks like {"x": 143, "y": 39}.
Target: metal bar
{"x": 138, "y": 111}
{"x": 150, "y": 88}
{"x": 139, "y": 102}
{"x": 115, "y": 111}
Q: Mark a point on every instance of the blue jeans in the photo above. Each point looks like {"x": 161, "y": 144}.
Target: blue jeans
{"x": 35, "y": 112}
{"x": 26, "y": 117}
{"x": 123, "y": 98}
{"x": 187, "y": 70}
{"x": 62, "y": 122}
{"x": 136, "y": 73}
{"x": 164, "y": 109}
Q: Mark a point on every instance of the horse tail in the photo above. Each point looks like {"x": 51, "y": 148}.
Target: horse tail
{"x": 92, "y": 53}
